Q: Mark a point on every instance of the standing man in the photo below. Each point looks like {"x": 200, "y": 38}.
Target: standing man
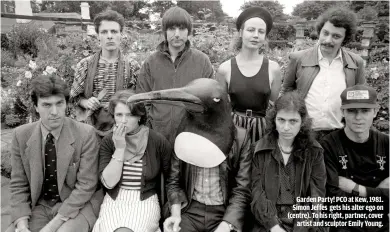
{"x": 105, "y": 72}
{"x": 321, "y": 73}
{"x": 173, "y": 65}
{"x": 357, "y": 156}
{"x": 54, "y": 166}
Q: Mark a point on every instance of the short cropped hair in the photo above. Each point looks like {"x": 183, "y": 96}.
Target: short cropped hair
{"x": 109, "y": 15}
{"x": 46, "y": 86}
{"x": 294, "y": 101}
{"x": 176, "y": 16}
{"x": 339, "y": 17}
{"x": 137, "y": 109}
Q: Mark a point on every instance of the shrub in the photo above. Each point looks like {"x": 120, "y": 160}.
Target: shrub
{"x": 377, "y": 75}
{"x": 13, "y": 120}
{"x": 7, "y": 58}
{"x": 6, "y": 162}
{"x": 22, "y": 38}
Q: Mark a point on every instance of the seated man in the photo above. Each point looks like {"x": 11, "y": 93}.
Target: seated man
{"x": 54, "y": 166}
{"x": 357, "y": 157}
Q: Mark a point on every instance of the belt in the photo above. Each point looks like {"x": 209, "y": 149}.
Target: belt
{"x": 251, "y": 113}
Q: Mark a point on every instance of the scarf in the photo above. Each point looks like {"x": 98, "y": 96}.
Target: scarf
{"x": 136, "y": 144}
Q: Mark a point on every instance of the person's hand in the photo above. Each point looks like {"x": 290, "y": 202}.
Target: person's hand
{"x": 277, "y": 228}
{"x": 91, "y": 104}
{"x": 172, "y": 223}
{"x": 53, "y": 225}
{"x": 22, "y": 226}
{"x": 223, "y": 227}
{"x": 384, "y": 183}
{"x": 118, "y": 136}
{"x": 346, "y": 184}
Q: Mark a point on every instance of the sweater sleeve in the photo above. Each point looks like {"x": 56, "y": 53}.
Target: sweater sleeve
{"x": 262, "y": 208}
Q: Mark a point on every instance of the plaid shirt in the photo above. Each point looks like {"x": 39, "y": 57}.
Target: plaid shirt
{"x": 207, "y": 186}
{"x": 105, "y": 78}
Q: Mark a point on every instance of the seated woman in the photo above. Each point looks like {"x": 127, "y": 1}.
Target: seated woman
{"x": 287, "y": 163}
{"x": 252, "y": 80}
{"x": 131, "y": 160}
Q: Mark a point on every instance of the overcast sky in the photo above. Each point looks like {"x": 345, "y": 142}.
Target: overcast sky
{"x": 232, "y": 7}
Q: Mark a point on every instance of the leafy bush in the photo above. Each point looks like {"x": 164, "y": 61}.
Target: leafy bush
{"x": 7, "y": 58}
{"x": 22, "y": 38}
{"x": 377, "y": 75}
{"x": 13, "y": 120}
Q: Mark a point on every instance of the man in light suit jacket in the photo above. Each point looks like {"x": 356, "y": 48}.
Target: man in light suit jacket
{"x": 54, "y": 166}
{"x": 322, "y": 72}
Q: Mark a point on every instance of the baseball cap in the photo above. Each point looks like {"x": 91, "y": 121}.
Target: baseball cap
{"x": 359, "y": 96}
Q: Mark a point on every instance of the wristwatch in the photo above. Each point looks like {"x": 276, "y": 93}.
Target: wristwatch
{"x": 355, "y": 190}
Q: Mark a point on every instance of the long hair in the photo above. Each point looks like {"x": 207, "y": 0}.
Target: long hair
{"x": 292, "y": 101}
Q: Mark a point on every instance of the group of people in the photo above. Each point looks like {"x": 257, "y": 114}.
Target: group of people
{"x": 115, "y": 168}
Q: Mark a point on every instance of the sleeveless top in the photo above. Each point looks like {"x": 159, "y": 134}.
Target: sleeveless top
{"x": 250, "y": 93}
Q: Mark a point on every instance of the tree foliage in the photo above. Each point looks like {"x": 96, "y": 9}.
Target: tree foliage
{"x": 127, "y": 8}
{"x": 210, "y": 10}
{"x": 274, "y": 7}
{"x": 312, "y": 9}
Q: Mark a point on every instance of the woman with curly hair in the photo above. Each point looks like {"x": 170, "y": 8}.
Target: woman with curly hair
{"x": 287, "y": 163}
{"x": 131, "y": 160}
{"x": 251, "y": 79}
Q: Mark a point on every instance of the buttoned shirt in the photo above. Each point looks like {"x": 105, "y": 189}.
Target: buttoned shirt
{"x": 207, "y": 186}
{"x": 56, "y": 134}
{"x": 323, "y": 98}
{"x": 286, "y": 197}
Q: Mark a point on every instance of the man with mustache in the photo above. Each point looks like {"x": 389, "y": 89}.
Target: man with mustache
{"x": 174, "y": 64}
{"x": 322, "y": 72}
{"x": 357, "y": 157}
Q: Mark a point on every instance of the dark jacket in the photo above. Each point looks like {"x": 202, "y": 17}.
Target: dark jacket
{"x": 234, "y": 178}
{"x": 159, "y": 72}
{"x": 156, "y": 160}
{"x": 310, "y": 180}
{"x": 304, "y": 67}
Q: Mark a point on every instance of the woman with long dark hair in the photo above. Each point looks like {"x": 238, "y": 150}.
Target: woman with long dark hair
{"x": 287, "y": 163}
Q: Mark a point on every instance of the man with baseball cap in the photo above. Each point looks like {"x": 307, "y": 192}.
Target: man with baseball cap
{"x": 357, "y": 157}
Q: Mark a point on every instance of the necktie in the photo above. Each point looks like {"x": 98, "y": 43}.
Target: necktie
{"x": 50, "y": 188}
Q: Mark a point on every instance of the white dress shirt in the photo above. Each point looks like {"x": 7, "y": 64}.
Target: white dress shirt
{"x": 323, "y": 100}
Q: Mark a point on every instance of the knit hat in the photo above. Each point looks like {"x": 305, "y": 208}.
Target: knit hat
{"x": 359, "y": 96}
{"x": 253, "y": 12}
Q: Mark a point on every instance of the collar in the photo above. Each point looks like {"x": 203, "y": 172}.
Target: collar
{"x": 268, "y": 143}
{"x": 105, "y": 61}
{"x": 56, "y": 132}
{"x": 310, "y": 57}
{"x": 164, "y": 48}
{"x": 320, "y": 56}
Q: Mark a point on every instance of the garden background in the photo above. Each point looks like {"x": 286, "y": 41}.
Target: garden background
{"x": 28, "y": 49}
